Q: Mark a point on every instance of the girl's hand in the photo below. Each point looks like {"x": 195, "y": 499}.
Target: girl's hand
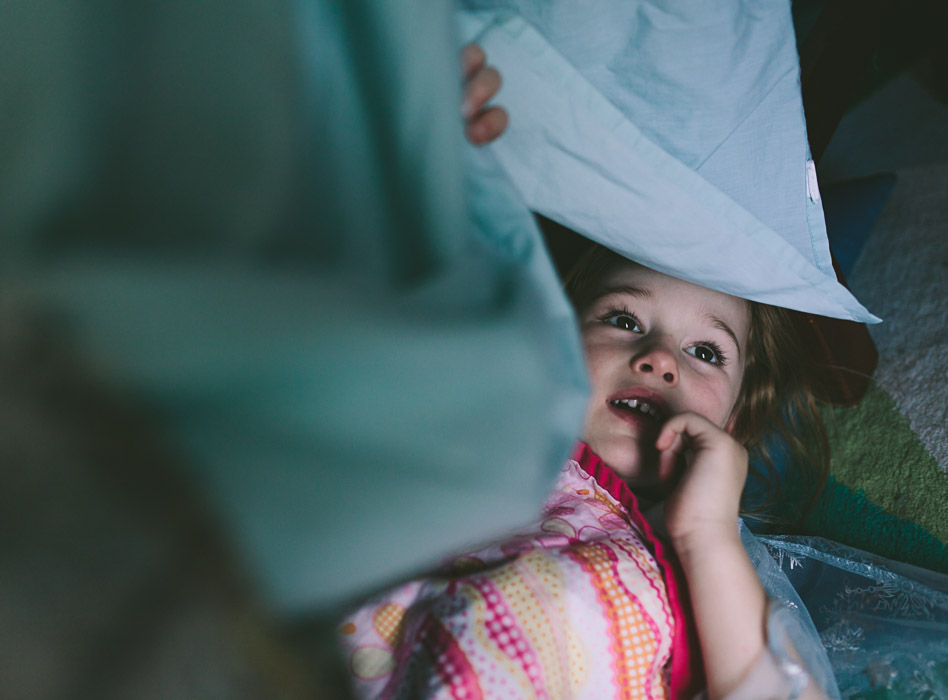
{"x": 727, "y": 598}
{"x": 481, "y": 82}
{"x": 703, "y": 505}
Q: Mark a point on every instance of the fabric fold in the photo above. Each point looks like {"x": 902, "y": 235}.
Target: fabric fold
{"x": 580, "y": 159}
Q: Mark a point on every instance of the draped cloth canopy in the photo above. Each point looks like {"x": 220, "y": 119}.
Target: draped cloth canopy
{"x": 670, "y": 132}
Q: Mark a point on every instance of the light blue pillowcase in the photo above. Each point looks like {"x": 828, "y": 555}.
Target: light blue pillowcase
{"x": 671, "y": 132}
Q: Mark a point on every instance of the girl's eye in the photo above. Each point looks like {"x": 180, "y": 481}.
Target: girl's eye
{"x": 625, "y": 321}
{"x": 707, "y": 352}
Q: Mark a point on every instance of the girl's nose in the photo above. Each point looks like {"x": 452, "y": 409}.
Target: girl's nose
{"x": 659, "y": 361}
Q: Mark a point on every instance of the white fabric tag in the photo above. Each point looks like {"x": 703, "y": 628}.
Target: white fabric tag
{"x": 812, "y": 186}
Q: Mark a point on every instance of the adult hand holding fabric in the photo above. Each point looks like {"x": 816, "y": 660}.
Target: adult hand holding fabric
{"x": 481, "y": 83}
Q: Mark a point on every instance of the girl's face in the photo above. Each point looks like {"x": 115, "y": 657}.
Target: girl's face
{"x": 657, "y": 346}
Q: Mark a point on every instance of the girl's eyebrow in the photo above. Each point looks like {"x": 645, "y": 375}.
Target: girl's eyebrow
{"x": 625, "y": 289}
{"x": 721, "y": 325}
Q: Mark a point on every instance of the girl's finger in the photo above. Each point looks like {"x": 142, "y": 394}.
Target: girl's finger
{"x": 482, "y": 86}
{"x": 668, "y": 458}
{"x": 687, "y": 425}
{"x": 670, "y": 432}
{"x": 487, "y": 126}
{"x": 472, "y": 60}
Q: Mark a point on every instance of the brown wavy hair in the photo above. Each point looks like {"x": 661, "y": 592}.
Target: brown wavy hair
{"x": 777, "y": 416}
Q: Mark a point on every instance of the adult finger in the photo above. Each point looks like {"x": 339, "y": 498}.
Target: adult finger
{"x": 482, "y": 86}
{"x": 472, "y": 59}
{"x": 487, "y": 126}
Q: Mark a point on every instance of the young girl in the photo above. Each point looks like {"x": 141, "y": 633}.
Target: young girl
{"x": 634, "y": 577}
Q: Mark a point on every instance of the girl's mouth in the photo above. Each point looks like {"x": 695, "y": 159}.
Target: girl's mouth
{"x": 640, "y": 413}
{"x": 641, "y": 406}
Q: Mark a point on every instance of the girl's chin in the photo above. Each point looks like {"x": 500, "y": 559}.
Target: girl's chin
{"x": 636, "y": 466}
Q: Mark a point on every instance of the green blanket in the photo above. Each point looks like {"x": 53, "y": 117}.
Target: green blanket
{"x": 888, "y": 491}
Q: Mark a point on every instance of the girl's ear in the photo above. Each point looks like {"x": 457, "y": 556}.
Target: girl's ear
{"x": 731, "y": 422}
{"x": 729, "y": 428}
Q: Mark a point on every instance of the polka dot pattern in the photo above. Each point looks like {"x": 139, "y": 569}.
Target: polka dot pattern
{"x": 388, "y": 622}
{"x": 573, "y": 606}
{"x": 637, "y": 553}
{"x": 549, "y": 581}
{"x": 516, "y": 626}
{"x": 632, "y": 643}
{"x": 453, "y": 667}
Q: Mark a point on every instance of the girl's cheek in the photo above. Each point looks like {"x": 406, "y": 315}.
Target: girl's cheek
{"x": 712, "y": 399}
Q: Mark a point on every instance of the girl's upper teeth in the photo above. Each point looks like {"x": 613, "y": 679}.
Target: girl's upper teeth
{"x": 642, "y": 406}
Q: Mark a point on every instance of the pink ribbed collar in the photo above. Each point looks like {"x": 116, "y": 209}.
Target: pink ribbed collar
{"x": 687, "y": 673}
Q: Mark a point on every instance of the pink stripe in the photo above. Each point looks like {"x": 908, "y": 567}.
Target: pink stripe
{"x": 507, "y": 635}
{"x": 656, "y": 632}
{"x": 687, "y": 674}
{"x": 617, "y": 639}
{"x": 450, "y": 662}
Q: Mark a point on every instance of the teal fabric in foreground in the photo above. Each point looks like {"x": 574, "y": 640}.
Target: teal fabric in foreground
{"x": 261, "y": 229}
{"x": 364, "y": 360}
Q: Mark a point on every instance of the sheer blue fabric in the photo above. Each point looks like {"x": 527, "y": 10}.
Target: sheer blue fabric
{"x": 789, "y": 623}
{"x": 883, "y": 624}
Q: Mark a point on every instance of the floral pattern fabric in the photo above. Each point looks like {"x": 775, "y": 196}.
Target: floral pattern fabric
{"x": 575, "y": 605}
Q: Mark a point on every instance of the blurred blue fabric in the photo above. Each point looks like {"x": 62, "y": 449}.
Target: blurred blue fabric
{"x": 254, "y": 217}
{"x": 262, "y": 222}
